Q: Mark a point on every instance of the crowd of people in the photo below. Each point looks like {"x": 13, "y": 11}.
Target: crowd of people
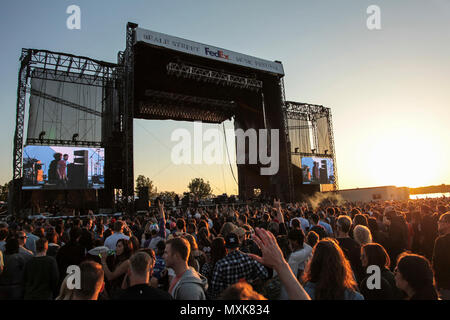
{"x": 390, "y": 250}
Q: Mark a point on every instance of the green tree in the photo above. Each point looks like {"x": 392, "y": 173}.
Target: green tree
{"x": 199, "y": 188}
{"x": 4, "y": 190}
{"x": 170, "y": 195}
{"x": 143, "y": 181}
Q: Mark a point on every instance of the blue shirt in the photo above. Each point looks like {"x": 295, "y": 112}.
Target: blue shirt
{"x": 304, "y": 224}
{"x": 160, "y": 265}
{"x": 31, "y": 242}
{"x": 2, "y": 245}
{"x": 327, "y": 227}
{"x": 310, "y": 288}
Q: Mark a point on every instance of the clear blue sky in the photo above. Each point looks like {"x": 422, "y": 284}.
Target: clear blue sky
{"x": 389, "y": 89}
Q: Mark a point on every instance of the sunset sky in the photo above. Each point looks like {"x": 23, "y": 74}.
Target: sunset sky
{"x": 388, "y": 89}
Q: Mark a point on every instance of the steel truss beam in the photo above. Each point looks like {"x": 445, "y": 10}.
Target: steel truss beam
{"x": 331, "y": 138}
{"x": 82, "y": 66}
{"x": 54, "y": 142}
{"x": 183, "y": 99}
{"x": 305, "y": 111}
{"x": 180, "y": 106}
{"x": 127, "y": 116}
{"x": 20, "y": 113}
{"x": 64, "y": 102}
{"x": 60, "y": 67}
{"x": 287, "y": 144}
{"x": 206, "y": 75}
{"x": 312, "y": 112}
{"x": 312, "y": 154}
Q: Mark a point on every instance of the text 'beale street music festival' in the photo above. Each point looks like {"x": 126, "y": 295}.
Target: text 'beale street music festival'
{"x": 306, "y": 162}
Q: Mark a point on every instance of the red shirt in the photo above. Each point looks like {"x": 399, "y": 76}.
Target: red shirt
{"x": 174, "y": 282}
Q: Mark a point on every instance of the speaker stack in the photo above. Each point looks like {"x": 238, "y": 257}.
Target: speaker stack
{"x": 142, "y": 203}
{"x": 324, "y": 172}
{"x": 77, "y": 172}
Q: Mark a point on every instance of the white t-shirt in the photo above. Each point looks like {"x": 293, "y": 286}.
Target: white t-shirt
{"x": 298, "y": 259}
{"x": 111, "y": 241}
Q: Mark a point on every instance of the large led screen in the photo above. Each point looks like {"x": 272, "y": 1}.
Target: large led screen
{"x": 317, "y": 170}
{"x": 55, "y": 167}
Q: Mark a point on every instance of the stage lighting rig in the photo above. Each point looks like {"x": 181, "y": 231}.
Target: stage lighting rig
{"x": 212, "y": 76}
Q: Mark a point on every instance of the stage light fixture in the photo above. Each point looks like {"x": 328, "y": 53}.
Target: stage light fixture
{"x": 296, "y": 150}
{"x": 326, "y": 151}
{"x": 74, "y": 137}
{"x": 313, "y": 150}
{"x": 41, "y": 135}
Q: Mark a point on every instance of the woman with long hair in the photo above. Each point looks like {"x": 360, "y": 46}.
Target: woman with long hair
{"x": 328, "y": 275}
{"x": 374, "y": 254}
{"x": 204, "y": 239}
{"x": 52, "y": 238}
{"x": 115, "y": 266}
{"x": 197, "y": 258}
{"x": 218, "y": 251}
{"x": 415, "y": 277}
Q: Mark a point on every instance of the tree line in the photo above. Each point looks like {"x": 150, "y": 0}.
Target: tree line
{"x": 197, "y": 186}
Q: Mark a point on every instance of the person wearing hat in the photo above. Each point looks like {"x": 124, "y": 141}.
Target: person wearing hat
{"x": 235, "y": 266}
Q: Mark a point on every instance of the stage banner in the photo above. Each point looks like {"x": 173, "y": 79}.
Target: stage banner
{"x": 206, "y": 51}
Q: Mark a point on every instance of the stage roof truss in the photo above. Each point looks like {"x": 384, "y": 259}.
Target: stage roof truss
{"x": 180, "y": 106}
{"x": 72, "y": 143}
{"x": 305, "y": 111}
{"x": 213, "y": 76}
{"x": 92, "y": 72}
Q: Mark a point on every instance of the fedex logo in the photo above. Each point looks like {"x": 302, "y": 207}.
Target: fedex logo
{"x": 218, "y": 54}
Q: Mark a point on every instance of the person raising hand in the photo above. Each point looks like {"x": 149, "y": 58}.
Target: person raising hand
{"x": 272, "y": 257}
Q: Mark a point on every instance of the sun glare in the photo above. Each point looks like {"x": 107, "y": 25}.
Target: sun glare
{"x": 404, "y": 160}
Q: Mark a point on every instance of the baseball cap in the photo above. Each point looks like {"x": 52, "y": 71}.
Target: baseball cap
{"x": 231, "y": 241}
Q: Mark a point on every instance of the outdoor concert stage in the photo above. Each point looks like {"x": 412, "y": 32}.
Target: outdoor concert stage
{"x": 81, "y": 102}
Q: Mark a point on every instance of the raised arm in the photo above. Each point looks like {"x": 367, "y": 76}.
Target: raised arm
{"x": 272, "y": 257}
{"x": 277, "y": 205}
{"x": 121, "y": 269}
{"x": 162, "y": 220}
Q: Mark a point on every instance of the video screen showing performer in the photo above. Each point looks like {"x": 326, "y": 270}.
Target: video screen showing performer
{"x": 55, "y": 167}
{"x": 317, "y": 170}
